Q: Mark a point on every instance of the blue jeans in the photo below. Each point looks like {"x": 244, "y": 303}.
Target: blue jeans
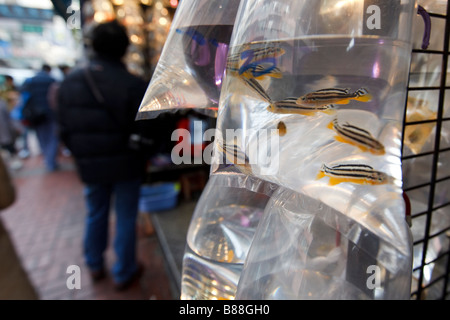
{"x": 47, "y": 134}
{"x": 98, "y": 199}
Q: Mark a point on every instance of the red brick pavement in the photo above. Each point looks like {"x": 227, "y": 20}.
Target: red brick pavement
{"x": 47, "y": 223}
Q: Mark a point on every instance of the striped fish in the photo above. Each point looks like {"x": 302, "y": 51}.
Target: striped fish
{"x": 356, "y": 136}
{"x": 261, "y": 70}
{"x": 255, "y": 63}
{"x": 236, "y": 60}
{"x": 257, "y": 70}
{"x": 254, "y": 85}
{"x": 235, "y": 156}
{"x": 290, "y": 106}
{"x": 333, "y": 96}
{"x": 261, "y": 53}
{"x": 354, "y": 173}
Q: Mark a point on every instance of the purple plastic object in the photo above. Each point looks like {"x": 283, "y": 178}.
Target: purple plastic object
{"x": 427, "y": 21}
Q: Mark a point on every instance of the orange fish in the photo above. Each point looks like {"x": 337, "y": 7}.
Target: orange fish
{"x": 356, "y": 136}
{"x": 353, "y": 173}
{"x": 291, "y": 106}
{"x": 333, "y": 96}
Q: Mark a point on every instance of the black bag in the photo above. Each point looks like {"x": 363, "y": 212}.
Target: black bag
{"x": 33, "y": 115}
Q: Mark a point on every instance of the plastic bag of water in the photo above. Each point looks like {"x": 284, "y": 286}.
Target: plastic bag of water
{"x": 220, "y": 234}
{"x": 313, "y": 99}
{"x": 191, "y": 68}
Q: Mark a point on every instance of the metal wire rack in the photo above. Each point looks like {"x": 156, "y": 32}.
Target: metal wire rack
{"x": 426, "y": 158}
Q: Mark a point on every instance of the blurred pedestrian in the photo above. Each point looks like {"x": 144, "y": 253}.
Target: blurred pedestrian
{"x": 8, "y": 134}
{"x": 9, "y": 92}
{"x": 97, "y": 106}
{"x": 14, "y": 281}
{"x": 34, "y": 95}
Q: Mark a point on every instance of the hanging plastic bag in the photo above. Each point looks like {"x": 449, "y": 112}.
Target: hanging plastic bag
{"x": 220, "y": 234}
{"x": 191, "y": 68}
{"x": 313, "y": 101}
{"x": 304, "y": 249}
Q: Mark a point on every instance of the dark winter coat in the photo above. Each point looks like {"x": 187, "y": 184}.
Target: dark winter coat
{"x": 97, "y": 134}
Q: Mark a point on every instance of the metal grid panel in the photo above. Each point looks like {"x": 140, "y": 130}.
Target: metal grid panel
{"x": 426, "y": 159}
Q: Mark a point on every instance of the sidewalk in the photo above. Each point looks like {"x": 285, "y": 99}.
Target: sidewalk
{"x": 47, "y": 223}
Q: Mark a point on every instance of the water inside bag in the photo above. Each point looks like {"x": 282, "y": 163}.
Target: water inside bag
{"x": 341, "y": 137}
{"x": 339, "y": 102}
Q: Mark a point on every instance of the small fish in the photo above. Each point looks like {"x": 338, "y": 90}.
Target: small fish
{"x": 333, "y": 96}
{"x": 254, "y": 84}
{"x": 248, "y": 56}
{"x": 354, "y": 173}
{"x": 261, "y": 53}
{"x": 290, "y": 106}
{"x": 236, "y": 157}
{"x": 359, "y": 137}
{"x": 257, "y": 70}
{"x": 260, "y": 70}
{"x": 281, "y": 126}
{"x": 256, "y": 63}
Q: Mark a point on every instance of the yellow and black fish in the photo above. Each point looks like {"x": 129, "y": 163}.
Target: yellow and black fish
{"x": 353, "y": 173}
{"x": 356, "y": 136}
{"x": 333, "y": 96}
{"x": 290, "y": 106}
{"x": 234, "y": 156}
{"x": 254, "y": 85}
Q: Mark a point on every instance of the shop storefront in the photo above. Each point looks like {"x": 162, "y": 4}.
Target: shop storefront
{"x": 147, "y": 22}
{"x": 33, "y": 35}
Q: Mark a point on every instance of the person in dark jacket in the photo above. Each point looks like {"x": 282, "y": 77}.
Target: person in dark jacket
{"x": 36, "y": 90}
{"x": 97, "y": 106}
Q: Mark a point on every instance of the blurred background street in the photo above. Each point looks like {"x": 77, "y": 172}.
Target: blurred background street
{"x": 46, "y": 224}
